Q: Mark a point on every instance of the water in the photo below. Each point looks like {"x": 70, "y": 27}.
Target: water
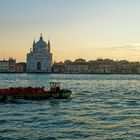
{"x": 102, "y": 107}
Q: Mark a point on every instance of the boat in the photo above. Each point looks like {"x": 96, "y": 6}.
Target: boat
{"x": 35, "y": 93}
{"x": 58, "y": 93}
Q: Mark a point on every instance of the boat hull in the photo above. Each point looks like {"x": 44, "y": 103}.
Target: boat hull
{"x": 27, "y": 96}
{"x": 58, "y": 95}
{"x": 3, "y": 97}
{"x": 61, "y": 95}
{"x": 33, "y": 94}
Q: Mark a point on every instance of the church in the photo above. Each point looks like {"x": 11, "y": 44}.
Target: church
{"x": 39, "y": 59}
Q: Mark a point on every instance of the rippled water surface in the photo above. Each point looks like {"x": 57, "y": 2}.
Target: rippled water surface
{"x": 104, "y": 107}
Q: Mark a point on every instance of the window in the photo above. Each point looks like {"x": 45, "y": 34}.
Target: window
{"x": 38, "y": 66}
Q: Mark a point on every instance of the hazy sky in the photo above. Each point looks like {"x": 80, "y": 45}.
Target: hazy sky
{"x": 76, "y": 28}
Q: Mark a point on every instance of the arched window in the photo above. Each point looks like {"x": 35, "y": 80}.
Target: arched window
{"x": 38, "y": 66}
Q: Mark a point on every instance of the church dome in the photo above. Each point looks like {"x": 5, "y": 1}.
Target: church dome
{"x": 40, "y": 45}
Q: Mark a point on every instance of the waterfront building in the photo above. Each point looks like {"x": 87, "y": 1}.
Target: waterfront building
{"x": 131, "y": 67}
{"x": 99, "y": 66}
{"x": 122, "y": 66}
{"x": 102, "y": 66}
{"x": 135, "y": 67}
{"x": 126, "y": 68}
{"x": 78, "y": 66}
{"x": 92, "y": 66}
{"x": 138, "y": 69}
{"x": 58, "y": 67}
{"x": 7, "y": 65}
{"x": 39, "y": 59}
{"x": 106, "y": 66}
{"x": 21, "y": 67}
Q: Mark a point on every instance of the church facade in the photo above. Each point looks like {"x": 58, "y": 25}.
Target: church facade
{"x": 39, "y": 59}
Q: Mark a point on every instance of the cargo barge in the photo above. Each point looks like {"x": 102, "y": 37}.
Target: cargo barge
{"x": 35, "y": 93}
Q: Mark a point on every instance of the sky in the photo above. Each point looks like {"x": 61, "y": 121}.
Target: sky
{"x": 88, "y": 29}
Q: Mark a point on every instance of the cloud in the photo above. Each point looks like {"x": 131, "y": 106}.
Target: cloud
{"x": 125, "y": 47}
{"x": 111, "y": 48}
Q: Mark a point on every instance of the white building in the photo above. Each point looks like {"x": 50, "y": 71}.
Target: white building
{"x": 40, "y": 58}
{"x": 7, "y": 65}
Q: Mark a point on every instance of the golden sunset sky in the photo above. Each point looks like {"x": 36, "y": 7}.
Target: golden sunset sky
{"x": 86, "y": 29}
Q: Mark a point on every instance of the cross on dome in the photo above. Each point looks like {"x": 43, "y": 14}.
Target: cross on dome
{"x": 41, "y": 37}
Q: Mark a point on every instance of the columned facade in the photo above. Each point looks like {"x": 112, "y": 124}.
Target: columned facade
{"x": 40, "y": 58}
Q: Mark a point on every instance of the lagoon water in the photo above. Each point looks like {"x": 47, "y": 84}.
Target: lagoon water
{"x": 102, "y": 107}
